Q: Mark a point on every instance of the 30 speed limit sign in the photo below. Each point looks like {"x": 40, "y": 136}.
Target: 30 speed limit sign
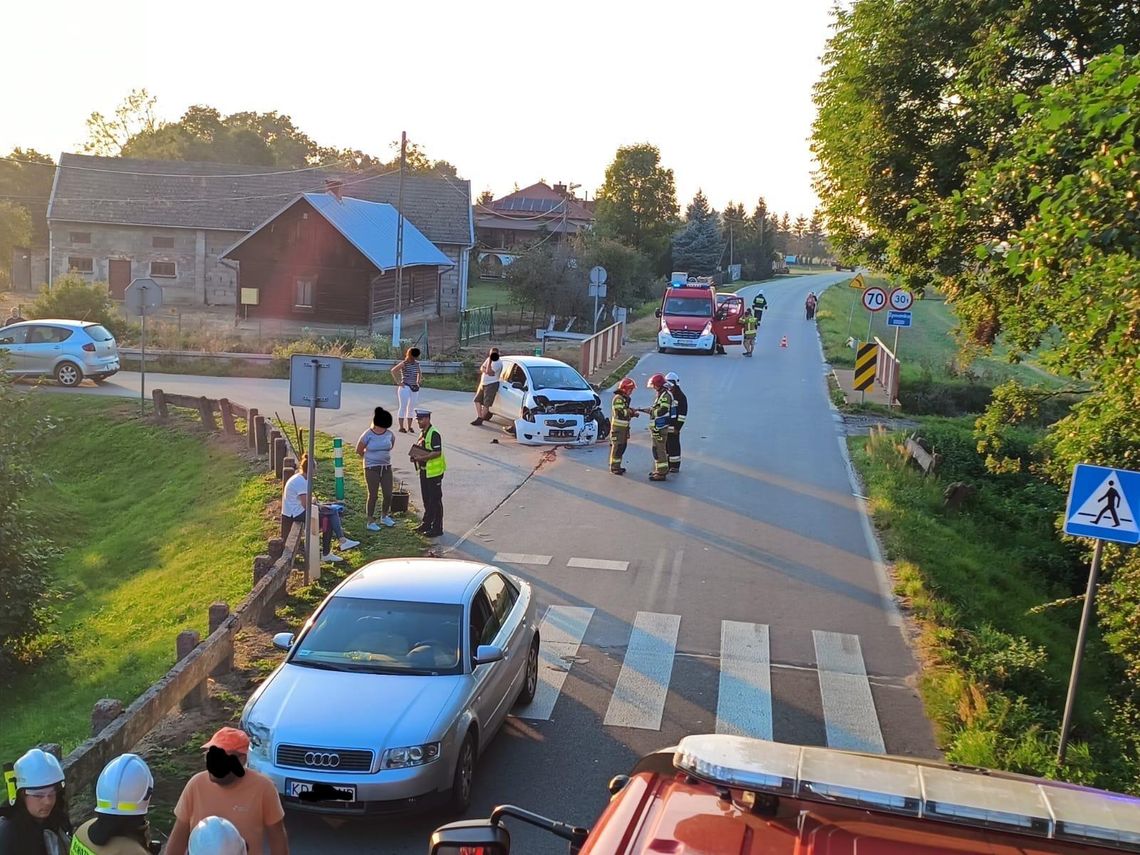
{"x": 874, "y": 299}
{"x": 901, "y": 299}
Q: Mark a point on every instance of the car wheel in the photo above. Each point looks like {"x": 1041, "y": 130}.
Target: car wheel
{"x": 660, "y": 349}
{"x": 603, "y": 426}
{"x": 530, "y": 680}
{"x": 68, "y": 374}
{"x": 464, "y": 776}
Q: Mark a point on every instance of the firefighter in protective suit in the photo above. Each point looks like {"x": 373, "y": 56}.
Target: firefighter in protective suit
{"x": 680, "y": 413}
{"x": 33, "y": 814}
{"x": 122, "y": 799}
{"x": 216, "y": 836}
{"x": 660, "y": 426}
{"x": 620, "y": 415}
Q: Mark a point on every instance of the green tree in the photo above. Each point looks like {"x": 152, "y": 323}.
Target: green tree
{"x": 15, "y": 230}
{"x": 637, "y": 203}
{"x": 629, "y": 276}
{"x": 548, "y": 278}
{"x": 735, "y": 230}
{"x": 816, "y": 238}
{"x": 25, "y": 181}
{"x": 698, "y": 247}
{"x": 108, "y": 135}
{"x": 71, "y": 296}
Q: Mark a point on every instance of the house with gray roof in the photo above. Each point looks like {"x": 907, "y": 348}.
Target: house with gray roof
{"x": 118, "y": 219}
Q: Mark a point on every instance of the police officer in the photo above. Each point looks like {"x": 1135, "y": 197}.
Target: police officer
{"x": 427, "y": 455}
{"x": 759, "y": 304}
{"x": 122, "y": 799}
{"x": 749, "y": 323}
{"x": 660, "y": 426}
{"x": 680, "y": 413}
{"x": 620, "y": 415}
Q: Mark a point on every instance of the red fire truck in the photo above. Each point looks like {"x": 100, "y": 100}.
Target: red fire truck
{"x": 733, "y": 794}
{"x": 695, "y": 318}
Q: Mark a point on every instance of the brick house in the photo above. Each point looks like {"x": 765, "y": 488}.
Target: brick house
{"x": 505, "y": 226}
{"x": 116, "y": 219}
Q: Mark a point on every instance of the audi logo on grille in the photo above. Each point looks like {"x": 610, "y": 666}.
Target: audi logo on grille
{"x": 328, "y": 761}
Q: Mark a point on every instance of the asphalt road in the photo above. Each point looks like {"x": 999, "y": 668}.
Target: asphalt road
{"x": 744, "y": 595}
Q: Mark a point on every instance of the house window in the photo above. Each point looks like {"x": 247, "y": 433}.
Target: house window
{"x": 164, "y": 269}
{"x": 81, "y": 264}
{"x": 80, "y": 237}
{"x": 303, "y": 294}
{"x": 159, "y": 242}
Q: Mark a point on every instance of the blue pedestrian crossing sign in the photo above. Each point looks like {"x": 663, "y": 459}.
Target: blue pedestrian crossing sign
{"x": 1101, "y": 502}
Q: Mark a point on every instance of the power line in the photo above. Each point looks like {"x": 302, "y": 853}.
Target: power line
{"x": 78, "y": 168}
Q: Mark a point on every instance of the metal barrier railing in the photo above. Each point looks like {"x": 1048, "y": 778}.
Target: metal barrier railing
{"x": 476, "y": 323}
{"x": 887, "y": 372}
{"x": 601, "y": 347}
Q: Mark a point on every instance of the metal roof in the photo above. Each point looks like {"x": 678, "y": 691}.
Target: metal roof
{"x": 370, "y": 227}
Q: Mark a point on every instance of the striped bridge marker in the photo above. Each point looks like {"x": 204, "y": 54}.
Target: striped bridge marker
{"x": 865, "y": 366}
{"x": 338, "y": 466}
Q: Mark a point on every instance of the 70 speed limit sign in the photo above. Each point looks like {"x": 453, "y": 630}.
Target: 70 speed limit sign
{"x": 874, "y": 299}
{"x": 901, "y": 299}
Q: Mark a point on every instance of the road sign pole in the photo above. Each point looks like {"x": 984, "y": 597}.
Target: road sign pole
{"x": 596, "y": 289}
{"x": 1075, "y": 676}
{"x": 311, "y": 571}
{"x": 896, "y": 348}
{"x": 142, "y": 366}
{"x": 850, "y": 315}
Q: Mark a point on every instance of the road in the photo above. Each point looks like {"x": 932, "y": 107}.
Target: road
{"x": 744, "y": 595}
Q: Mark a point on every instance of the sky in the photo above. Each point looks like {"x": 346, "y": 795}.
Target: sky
{"x": 510, "y": 92}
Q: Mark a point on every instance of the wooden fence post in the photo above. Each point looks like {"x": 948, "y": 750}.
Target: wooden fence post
{"x": 251, "y": 428}
{"x": 260, "y": 441}
{"x": 159, "y": 403}
{"x": 227, "y": 417}
{"x": 206, "y": 411}
{"x": 218, "y": 614}
{"x": 184, "y": 645}
{"x": 280, "y": 448}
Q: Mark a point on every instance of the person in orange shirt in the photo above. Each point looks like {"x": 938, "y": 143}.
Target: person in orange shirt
{"x": 228, "y": 789}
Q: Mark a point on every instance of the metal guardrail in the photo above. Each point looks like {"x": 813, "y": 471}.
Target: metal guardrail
{"x": 427, "y": 366}
{"x": 601, "y": 347}
{"x": 887, "y": 368}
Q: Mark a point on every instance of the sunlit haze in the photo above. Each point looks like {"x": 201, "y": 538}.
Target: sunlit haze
{"x": 510, "y": 92}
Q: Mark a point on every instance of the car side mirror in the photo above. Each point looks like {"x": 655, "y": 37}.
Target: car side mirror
{"x": 486, "y": 653}
{"x": 596, "y": 387}
{"x": 518, "y": 384}
{"x": 283, "y": 640}
{"x": 470, "y": 836}
{"x": 657, "y": 313}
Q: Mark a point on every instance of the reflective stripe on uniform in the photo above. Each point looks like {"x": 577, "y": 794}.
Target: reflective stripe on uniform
{"x": 78, "y": 848}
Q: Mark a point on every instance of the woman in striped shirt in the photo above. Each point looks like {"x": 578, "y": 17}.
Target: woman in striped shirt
{"x": 407, "y": 376}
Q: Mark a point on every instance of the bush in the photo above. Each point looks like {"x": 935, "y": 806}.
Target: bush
{"x": 72, "y": 297}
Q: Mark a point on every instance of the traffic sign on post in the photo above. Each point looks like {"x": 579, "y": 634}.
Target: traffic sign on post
{"x": 898, "y": 319}
{"x": 142, "y": 297}
{"x": 874, "y": 299}
{"x": 865, "y": 361}
{"x": 857, "y": 281}
{"x": 901, "y": 299}
{"x": 597, "y": 288}
{"x": 1101, "y": 503}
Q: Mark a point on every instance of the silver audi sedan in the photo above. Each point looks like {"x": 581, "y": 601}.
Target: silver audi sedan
{"x": 394, "y": 687}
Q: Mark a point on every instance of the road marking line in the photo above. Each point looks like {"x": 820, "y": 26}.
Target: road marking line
{"x": 561, "y": 633}
{"x": 522, "y": 558}
{"x": 744, "y": 700}
{"x": 849, "y": 713}
{"x": 643, "y": 684}
{"x": 598, "y": 564}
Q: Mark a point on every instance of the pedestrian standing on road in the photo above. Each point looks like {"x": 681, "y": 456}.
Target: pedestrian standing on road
{"x": 122, "y": 799}
{"x": 375, "y": 446}
{"x": 660, "y": 424}
{"x": 488, "y": 386}
{"x": 680, "y": 413}
{"x": 750, "y": 324}
{"x": 427, "y": 455}
{"x": 620, "y": 415}
{"x": 36, "y": 822}
{"x": 407, "y": 374}
{"x": 228, "y": 789}
{"x": 294, "y": 500}
{"x": 809, "y": 305}
{"x": 14, "y": 316}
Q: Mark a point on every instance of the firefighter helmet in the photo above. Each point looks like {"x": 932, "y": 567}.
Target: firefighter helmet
{"x": 656, "y": 381}
{"x": 124, "y": 787}
{"x": 216, "y": 836}
{"x": 626, "y": 386}
{"x": 37, "y": 769}
{"x": 672, "y": 377}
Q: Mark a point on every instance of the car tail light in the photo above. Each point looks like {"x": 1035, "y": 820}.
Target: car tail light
{"x": 89, "y": 347}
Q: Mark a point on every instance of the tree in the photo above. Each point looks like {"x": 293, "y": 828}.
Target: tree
{"x": 629, "y": 276}
{"x": 817, "y": 240}
{"x": 735, "y": 227}
{"x": 485, "y": 198}
{"x": 15, "y": 230}
{"x": 799, "y": 231}
{"x": 547, "y": 277}
{"x": 135, "y": 115}
{"x": 698, "y": 247}
{"x": 637, "y": 203}
{"x": 699, "y": 209}
{"x": 71, "y": 296}
{"x": 25, "y": 181}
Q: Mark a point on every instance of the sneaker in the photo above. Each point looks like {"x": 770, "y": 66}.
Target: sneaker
{"x": 347, "y": 543}
{"x": 388, "y": 521}
{"x": 331, "y": 559}
{"x": 372, "y": 527}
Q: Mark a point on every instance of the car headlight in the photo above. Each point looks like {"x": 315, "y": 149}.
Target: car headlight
{"x": 708, "y": 329}
{"x": 664, "y": 326}
{"x": 260, "y": 738}
{"x": 411, "y": 755}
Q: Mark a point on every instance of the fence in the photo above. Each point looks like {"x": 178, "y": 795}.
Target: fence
{"x": 887, "y": 372}
{"x": 601, "y": 347}
{"x": 478, "y": 322}
{"x": 427, "y": 366}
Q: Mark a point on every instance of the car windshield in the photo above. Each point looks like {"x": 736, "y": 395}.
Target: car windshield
{"x": 383, "y": 637}
{"x": 557, "y": 377}
{"x": 700, "y": 307}
{"x": 98, "y": 332}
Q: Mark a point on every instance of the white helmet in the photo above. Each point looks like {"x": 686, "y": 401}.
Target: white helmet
{"x": 37, "y": 768}
{"x": 216, "y": 836}
{"x": 672, "y": 377}
{"x": 124, "y": 787}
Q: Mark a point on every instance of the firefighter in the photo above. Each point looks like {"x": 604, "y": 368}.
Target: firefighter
{"x": 122, "y": 798}
{"x": 750, "y": 323}
{"x": 680, "y": 412}
{"x": 660, "y": 426}
{"x": 759, "y": 304}
{"x": 619, "y": 423}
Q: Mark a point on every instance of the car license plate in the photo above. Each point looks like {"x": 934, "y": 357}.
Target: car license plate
{"x": 686, "y": 344}
{"x": 560, "y": 432}
{"x": 304, "y": 790}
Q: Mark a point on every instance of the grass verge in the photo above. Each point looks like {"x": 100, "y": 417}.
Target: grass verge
{"x": 991, "y": 588}
{"x": 619, "y": 372}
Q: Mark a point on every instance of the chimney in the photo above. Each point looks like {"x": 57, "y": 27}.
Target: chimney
{"x": 334, "y": 186}
{"x": 560, "y": 189}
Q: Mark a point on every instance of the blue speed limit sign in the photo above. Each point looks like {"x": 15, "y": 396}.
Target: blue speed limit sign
{"x": 874, "y": 299}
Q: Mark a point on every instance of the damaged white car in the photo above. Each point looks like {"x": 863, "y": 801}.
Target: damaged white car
{"x": 546, "y": 402}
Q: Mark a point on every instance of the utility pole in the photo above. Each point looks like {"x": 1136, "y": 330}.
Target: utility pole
{"x": 399, "y": 245}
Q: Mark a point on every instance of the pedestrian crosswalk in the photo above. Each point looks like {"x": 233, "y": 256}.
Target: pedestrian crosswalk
{"x": 744, "y": 702}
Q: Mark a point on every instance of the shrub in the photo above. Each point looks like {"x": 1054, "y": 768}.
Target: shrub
{"x": 72, "y": 297}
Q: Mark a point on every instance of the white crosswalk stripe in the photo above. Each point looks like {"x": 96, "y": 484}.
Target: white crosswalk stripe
{"x": 643, "y": 684}
{"x": 560, "y": 635}
{"x": 521, "y": 558}
{"x": 598, "y": 564}
{"x": 744, "y": 700}
{"x": 849, "y": 713}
